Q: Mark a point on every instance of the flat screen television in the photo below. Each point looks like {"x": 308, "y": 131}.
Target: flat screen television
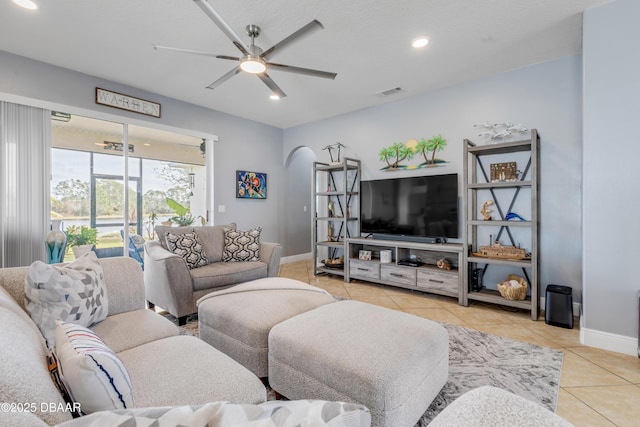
{"x": 420, "y": 208}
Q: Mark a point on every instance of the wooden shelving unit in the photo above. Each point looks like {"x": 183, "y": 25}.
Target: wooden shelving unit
{"x": 477, "y": 180}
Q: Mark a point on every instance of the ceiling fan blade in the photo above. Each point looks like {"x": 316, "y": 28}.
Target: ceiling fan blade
{"x": 195, "y": 52}
{"x": 306, "y": 30}
{"x": 303, "y": 71}
{"x": 271, "y": 85}
{"x": 225, "y": 77}
{"x": 226, "y": 29}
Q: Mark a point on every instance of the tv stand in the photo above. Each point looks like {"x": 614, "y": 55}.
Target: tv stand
{"x": 425, "y": 276}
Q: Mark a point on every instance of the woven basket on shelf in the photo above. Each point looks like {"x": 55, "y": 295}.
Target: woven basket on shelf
{"x": 514, "y": 293}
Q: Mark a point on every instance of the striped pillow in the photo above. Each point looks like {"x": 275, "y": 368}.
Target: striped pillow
{"x": 92, "y": 372}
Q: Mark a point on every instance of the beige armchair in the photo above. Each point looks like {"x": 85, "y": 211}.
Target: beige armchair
{"x": 171, "y": 285}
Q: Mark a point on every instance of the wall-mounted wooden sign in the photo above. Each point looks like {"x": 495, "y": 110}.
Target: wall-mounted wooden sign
{"x": 126, "y": 102}
{"x": 504, "y": 172}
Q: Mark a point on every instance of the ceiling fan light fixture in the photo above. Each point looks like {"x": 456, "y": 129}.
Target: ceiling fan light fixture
{"x": 253, "y": 64}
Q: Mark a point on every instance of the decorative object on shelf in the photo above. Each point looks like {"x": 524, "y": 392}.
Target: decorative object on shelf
{"x": 499, "y": 130}
{"x": 485, "y": 211}
{"x": 251, "y": 185}
{"x": 514, "y": 288}
{"x": 512, "y": 216}
{"x": 504, "y": 172}
{"x": 334, "y": 262}
{"x": 399, "y": 152}
{"x": 331, "y": 149}
{"x": 385, "y": 256}
{"x": 331, "y": 210}
{"x": 496, "y": 250}
{"x": 443, "y": 264}
{"x": 364, "y": 255}
{"x": 330, "y": 236}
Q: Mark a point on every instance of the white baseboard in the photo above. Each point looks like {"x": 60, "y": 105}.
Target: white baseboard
{"x": 295, "y": 258}
{"x": 609, "y": 341}
{"x": 577, "y": 307}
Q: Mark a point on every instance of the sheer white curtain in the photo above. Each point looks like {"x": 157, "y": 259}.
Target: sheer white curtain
{"x": 25, "y": 171}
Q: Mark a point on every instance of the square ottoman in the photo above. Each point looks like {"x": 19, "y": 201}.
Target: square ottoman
{"x": 237, "y": 320}
{"x": 394, "y": 363}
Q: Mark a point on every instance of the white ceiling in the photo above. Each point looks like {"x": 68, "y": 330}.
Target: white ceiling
{"x": 367, "y": 42}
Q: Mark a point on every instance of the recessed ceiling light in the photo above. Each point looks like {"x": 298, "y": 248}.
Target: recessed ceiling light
{"x": 274, "y": 97}
{"x": 421, "y": 42}
{"x": 27, "y": 4}
{"x": 146, "y": 144}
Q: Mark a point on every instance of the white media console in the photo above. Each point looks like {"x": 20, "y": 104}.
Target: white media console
{"x": 426, "y": 277}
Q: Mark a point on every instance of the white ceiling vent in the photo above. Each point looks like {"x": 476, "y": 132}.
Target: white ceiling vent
{"x": 392, "y": 91}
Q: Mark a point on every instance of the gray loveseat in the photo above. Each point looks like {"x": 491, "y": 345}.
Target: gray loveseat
{"x": 171, "y": 285}
{"x": 165, "y": 368}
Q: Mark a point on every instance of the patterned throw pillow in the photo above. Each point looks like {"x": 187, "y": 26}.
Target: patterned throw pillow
{"x": 188, "y": 246}
{"x": 241, "y": 245}
{"x": 93, "y": 374}
{"x": 74, "y": 293}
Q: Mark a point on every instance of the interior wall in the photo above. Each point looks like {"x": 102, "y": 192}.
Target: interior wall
{"x": 545, "y": 96}
{"x": 242, "y": 144}
{"x": 296, "y": 206}
{"x": 610, "y": 180}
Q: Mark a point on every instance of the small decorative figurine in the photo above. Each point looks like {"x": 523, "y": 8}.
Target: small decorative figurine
{"x": 332, "y": 147}
{"x": 485, "y": 211}
{"x": 332, "y": 212}
{"x": 444, "y": 264}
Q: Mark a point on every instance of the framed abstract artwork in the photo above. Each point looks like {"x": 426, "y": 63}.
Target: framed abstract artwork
{"x": 251, "y": 185}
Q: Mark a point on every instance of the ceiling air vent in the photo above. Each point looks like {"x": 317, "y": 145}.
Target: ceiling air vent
{"x": 392, "y": 91}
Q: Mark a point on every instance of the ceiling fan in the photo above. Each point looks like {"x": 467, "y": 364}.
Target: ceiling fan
{"x": 254, "y": 60}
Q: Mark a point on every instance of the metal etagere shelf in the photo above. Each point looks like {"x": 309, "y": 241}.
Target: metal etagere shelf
{"x": 476, "y": 180}
{"x": 336, "y": 212}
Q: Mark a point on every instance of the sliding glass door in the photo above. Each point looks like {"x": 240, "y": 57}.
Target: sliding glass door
{"x": 102, "y": 193}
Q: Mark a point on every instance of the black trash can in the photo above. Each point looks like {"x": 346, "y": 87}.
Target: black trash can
{"x": 558, "y": 309}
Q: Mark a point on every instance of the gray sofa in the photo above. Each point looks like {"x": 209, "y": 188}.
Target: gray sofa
{"x": 165, "y": 368}
{"x": 171, "y": 285}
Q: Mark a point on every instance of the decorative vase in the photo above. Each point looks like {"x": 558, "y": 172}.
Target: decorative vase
{"x": 55, "y": 243}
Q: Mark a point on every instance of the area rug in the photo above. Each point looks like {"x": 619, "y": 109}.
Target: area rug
{"x": 477, "y": 359}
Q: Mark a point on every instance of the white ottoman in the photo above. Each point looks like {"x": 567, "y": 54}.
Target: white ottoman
{"x": 393, "y": 363}
{"x": 237, "y": 320}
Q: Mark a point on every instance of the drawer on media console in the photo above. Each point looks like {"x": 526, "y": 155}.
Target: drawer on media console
{"x": 364, "y": 269}
{"x": 438, "y": 280}
{"x": 398, "y": 275}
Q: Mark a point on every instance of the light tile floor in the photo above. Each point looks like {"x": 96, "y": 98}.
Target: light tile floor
{"x": 597, "y": 387}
